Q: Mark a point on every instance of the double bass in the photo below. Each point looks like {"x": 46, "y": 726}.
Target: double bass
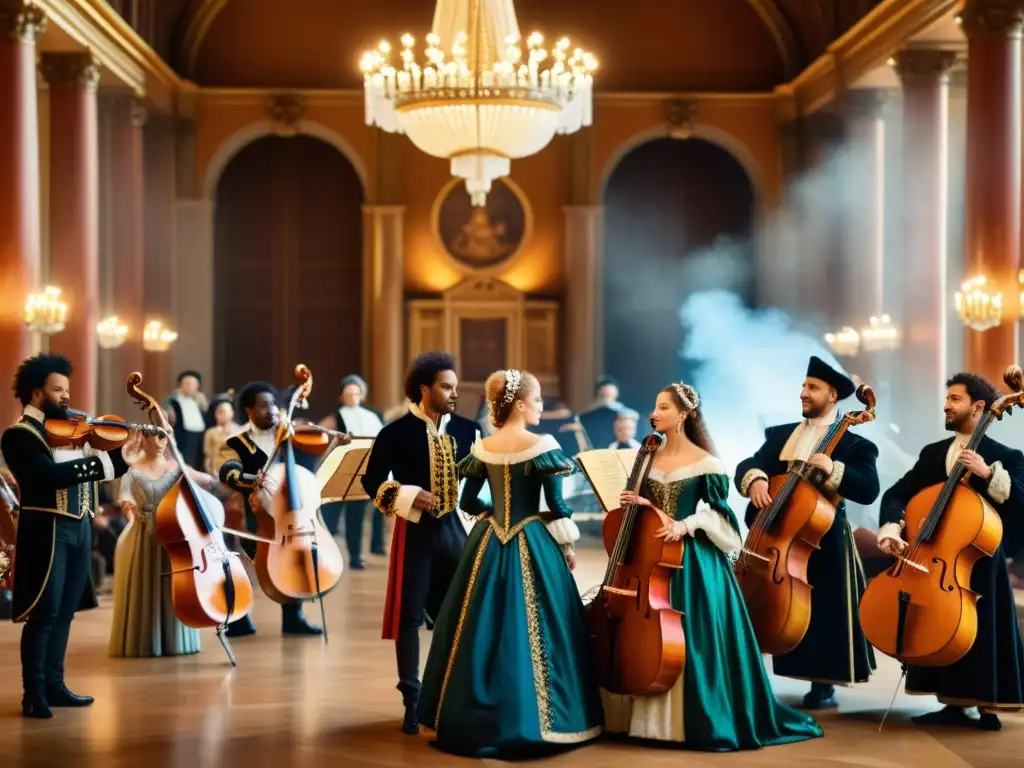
{"x": 638, "y": 641}
{"x": 922, "y": 610}
{"x": 772, "y": 565}
{"x": 296, "y": 556}
{"x": 209, "y": 585}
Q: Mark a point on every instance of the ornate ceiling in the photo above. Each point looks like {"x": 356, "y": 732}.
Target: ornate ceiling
{"x": 711, "y": 45}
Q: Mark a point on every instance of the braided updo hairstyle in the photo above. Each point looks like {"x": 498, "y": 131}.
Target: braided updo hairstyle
{"x": 687, "y": 400}
{"x": 504, "y": 389}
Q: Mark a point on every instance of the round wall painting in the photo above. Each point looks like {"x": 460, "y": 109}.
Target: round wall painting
{"x": 481, "y": 238}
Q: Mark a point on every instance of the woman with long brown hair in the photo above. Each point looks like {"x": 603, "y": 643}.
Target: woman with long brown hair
{"x": 722, "y": 700}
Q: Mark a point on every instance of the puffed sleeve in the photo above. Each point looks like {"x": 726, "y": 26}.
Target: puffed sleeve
{"x": 714, "y": 516}
{"x": 475, "y": 473}
{"x": 552, "y": 466}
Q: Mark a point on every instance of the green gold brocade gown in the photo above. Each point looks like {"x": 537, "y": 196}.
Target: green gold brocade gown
{"x": 723, "y": 701}
{"x": 509, "y": 667}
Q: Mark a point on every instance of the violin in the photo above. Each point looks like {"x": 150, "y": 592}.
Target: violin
{"x": 314, "y": 439}
{"x": 9, "y": 506}
{"x": 772, "y": 566}
{"x": 637, "y": 638}
{"x": 922, "y": 610}
{"x": 209, "y": 586}
{"x": 104, "y": 433}
{"x": 296, "y": 557}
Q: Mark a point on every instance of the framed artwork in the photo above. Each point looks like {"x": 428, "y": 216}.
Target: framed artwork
{"x": 482, "y": 239}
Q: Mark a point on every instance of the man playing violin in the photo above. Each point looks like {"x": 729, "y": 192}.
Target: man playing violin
{"x": 239, "y": 463}
{"x": 54, "y": 538}
{"x": 834, "y": 649}
{"x": 991, "y": 675}
{"x": 411, "y": 474}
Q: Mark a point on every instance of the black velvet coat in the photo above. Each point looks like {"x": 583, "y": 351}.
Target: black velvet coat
{"x": 991, "y": 674}
{"x": 834, "y": 649}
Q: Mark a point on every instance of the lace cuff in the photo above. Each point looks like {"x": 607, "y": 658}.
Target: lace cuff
{"x": 716, "y": 527}
{"x": 999, "y": 484}
{"x": 748, "y": 480}
{"x": 834, "y": 479}
{"x": 564, "y": 531}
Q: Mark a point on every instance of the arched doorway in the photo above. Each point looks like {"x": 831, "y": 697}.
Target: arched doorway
{"x": 288, "y": 266}
{"x": 679, "y": 218}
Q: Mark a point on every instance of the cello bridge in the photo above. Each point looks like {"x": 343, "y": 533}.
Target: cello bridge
{"x": 619, "y": 591}
{"x": 750, "y": 553}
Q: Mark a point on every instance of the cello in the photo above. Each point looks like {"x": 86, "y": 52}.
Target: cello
{"x": 637, "y": 638}
{"x": 296, "y": 557}
{"x": 922, "y": 610}
{"x": 209, "y": 586}
{"x": 772, "y": 566}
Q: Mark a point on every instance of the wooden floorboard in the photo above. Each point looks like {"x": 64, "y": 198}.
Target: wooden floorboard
{"x": 298, "y": 702}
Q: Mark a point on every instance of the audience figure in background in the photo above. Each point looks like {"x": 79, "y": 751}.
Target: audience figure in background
{"x": 599, "y": 419}
{"x": 625, "y": 430}
{"x": 186, "y": 411}
{"x": 222, "y": 414}
{"x": 353, "y": 417}
{"x": 144, "y": 623}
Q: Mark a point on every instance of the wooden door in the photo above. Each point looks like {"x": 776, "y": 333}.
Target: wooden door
{"x": 288, "y": 255}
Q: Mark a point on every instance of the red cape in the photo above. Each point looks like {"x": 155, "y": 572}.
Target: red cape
{"x": 393, "y": 600}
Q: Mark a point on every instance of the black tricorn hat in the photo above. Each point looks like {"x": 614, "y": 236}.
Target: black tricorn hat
{"x": 819, "y": 369}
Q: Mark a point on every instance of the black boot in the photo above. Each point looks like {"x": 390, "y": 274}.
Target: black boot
{"x": 945, "y": 716}
{"x": 34, "y": 705}
{"x": 241, "y": 627}
{"x": 294, "y": 623}
{"x": 821, "y": 696}
{"x": 989, "y": 721}
{"x": 410, "y": 723}
{"x": 60, "y": 696}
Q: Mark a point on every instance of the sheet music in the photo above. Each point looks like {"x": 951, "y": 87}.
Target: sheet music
{"x": 607, "y": 470}
{"x": 341, "y": 473}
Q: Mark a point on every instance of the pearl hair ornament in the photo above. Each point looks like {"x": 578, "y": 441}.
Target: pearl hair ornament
{"x": 513, "y": 383}
{"x": 688, "y": 395}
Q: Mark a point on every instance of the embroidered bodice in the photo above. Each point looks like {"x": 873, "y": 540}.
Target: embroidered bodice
{"x": 516, "y": 480}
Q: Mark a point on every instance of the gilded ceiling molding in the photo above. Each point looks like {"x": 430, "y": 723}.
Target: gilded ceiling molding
{"x": 199, "y": 22}
{"x": 782, "y": 33}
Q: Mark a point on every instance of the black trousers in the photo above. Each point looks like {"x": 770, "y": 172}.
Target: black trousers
{"x": 354, "y": 513}
{"x": 44, "y": 640}
{"x": 433, "y": 548}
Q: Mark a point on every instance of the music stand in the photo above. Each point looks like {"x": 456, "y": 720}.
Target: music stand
{"x": 340, "y": 471}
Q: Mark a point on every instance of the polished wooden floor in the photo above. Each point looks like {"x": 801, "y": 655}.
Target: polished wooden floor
{"x": 298, "y": 702}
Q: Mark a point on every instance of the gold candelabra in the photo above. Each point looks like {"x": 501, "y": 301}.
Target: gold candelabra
{"x": 45, "y": 311}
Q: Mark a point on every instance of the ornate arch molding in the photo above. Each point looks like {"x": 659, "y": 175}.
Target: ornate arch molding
{"x": 196, "y": 23}
{"x": 782, "y": 33}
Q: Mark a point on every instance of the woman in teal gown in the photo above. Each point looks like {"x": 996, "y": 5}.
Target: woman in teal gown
{"x": 723, "y": 700}
{"x": 509, "y": 670}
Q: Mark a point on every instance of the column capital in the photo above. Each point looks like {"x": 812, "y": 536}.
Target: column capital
{"x": 71, "y": 69}
{"x": 21, "y": 20}
{"x": 864, "y": 103}
{"x": 992, "y": 17}
{"x": 924, "y": 66}
{"x": 137, "y": 113}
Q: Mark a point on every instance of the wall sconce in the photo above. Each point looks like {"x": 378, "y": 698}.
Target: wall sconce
{"x": 979, "y": 307}
{"x": 111, "y": 332}
{"x": 844, "y": 342}
{"x": 157, "y": 338}
{"x": 880, "y": 335}
{"x": 45, "y": 312}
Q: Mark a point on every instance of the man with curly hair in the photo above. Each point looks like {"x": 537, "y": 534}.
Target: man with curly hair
{"x": 54, "y": 538}
{"x": 411, "y": 475}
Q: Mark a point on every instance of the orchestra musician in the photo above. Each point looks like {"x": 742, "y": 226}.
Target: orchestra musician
{"x": 991, "y": 675}
{"x": 723, "y": 700}
{"x": 239, "y": 464}
{"x": 834, "y": 650}
{"x": 54, "y": 538}
{"x": 411, "y": 475}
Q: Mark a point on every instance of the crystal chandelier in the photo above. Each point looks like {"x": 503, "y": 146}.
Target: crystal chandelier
{"x": 46, "y": 312}
{"x": 880, "y": 335}
{"x": 157, "y": 338}
{"x": 979, "y": 308}
{"x": 844, "y": 342}
{"x": 111, "y": 332}
{"x": 483, "y": 102}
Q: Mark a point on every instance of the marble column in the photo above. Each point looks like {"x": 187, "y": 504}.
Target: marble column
{"x": 20, "y": 26}
{"x": 924, "y": 75}
{"x": 127, "y": 244}
{"x": 385, "y": 281}
{"x": 74, "y": 212}
{"x": 583, "y": 292}
{"x": 993, "y": 194}
{"x": 160, "y": 273}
